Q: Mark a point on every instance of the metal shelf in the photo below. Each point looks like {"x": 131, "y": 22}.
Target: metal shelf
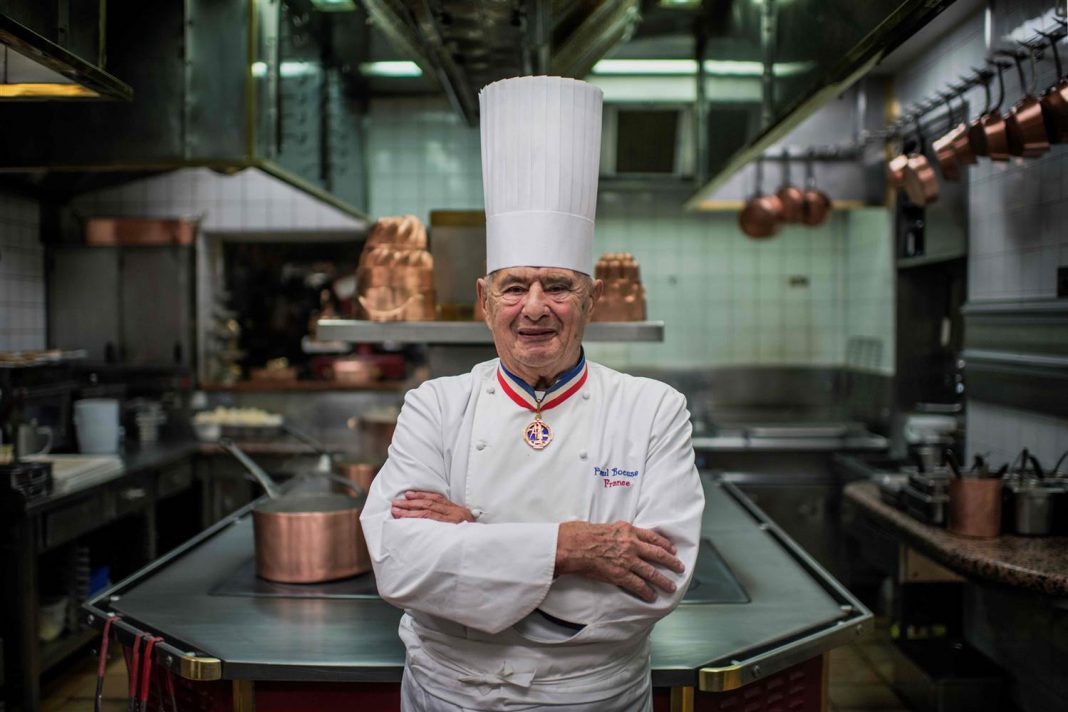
{"x": 469, "y": 332}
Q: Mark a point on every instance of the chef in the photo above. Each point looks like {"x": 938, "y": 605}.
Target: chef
{"x": 537, "y": 515}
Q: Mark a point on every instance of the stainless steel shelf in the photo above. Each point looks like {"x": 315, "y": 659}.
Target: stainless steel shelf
{"x": 469, "y": 332}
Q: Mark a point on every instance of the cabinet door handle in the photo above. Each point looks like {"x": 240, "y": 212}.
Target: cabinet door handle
{"x": 133, "y": 493}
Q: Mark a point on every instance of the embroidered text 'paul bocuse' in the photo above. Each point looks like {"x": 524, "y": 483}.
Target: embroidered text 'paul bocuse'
{"x": 538, "y": 434}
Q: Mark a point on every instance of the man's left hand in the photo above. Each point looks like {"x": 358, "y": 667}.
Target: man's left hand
{"x": 430, "y": 505}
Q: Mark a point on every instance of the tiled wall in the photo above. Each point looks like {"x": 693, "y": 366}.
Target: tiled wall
{"x": 249, "y": 200}
{"x": 725, "y": 300}
{"x": 22, "y": 285}
{"x": 1017, "y": 237}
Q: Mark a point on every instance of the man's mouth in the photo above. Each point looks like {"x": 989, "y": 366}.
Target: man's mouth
{"x": 535, "y": 333}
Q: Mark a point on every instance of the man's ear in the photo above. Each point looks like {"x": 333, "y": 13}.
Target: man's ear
{"x": 482, "y": 289}
{"x": 595, "y": 294}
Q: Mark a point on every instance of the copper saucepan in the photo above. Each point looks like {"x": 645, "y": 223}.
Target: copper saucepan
{"x": 305, "y": 537}
{"x": 994, "y": 134}
{"x": 921, "y": 184}
{"x": 977, "y": 126}
{"x": 1055, "y": 99}
{"x": 962, "y": 147}
{"x": 1024, "y": 126}
{"x": 943, "y": 146}
{"x": 760, "y": 216}
{"x": 792, "y": 198}
{"x": 817, "y": 205}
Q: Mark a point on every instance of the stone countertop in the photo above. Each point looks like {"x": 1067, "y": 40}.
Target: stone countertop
{"x": 1035, "y": 563}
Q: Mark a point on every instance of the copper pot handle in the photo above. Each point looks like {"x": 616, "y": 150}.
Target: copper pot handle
{"x": 395, "y": 311}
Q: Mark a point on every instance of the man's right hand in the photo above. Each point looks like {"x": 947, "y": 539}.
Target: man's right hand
{"x": 618, "y": 553}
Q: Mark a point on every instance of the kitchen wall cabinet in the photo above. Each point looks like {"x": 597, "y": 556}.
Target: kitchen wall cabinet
{"x": 126, "y": 305}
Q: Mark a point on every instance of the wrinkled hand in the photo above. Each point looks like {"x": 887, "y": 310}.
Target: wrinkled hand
{"x": 430, "y": 505}
{"x": 618, "y": 553}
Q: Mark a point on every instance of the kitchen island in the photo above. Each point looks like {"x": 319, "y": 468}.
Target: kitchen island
{"x": 760, "y": 616}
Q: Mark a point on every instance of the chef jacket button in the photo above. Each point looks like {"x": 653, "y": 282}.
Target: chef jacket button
{"x": 585, "y": 396}
{"x": 480, "y": 445}
{"x": 582, "y": 455}
{"x": 491, "y": 390}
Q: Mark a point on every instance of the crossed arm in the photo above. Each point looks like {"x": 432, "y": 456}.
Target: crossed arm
{"x": 618, "y": 553}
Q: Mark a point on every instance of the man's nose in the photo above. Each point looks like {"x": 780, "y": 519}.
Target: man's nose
{"x": 535, "y": 306}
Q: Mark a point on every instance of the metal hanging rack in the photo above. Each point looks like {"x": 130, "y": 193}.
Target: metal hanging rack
{"x": 997, "y": 61}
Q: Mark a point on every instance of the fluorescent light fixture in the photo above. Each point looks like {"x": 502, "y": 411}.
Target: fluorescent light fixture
{"x": 334, "y": 5}
{"x": 688, "y": 67}
{"x": 391, "y": 69}
{"x": 680, "y": 4}
{"x": 287, "y": 70}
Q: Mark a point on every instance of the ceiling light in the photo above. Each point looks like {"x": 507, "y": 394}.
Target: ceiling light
{"x": 391, "y": 69}
{"x": 688, "y": 67}
{"x": 287, "y": 69}
{"x": 680, "y": 4}
{"x": 334, "y": 5}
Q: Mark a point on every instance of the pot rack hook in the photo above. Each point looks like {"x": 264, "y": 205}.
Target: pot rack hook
{"x": 1000, "y": 66}
{"x": 983, "y": 76}
{"x": 786, "y": 167}
{"x": 946, "y": 96}
{"x": 1051, "y": 37}
{"x": 922, "y": 148}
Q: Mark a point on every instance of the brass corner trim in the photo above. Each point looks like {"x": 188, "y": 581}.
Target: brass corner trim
{"x": 682, "y": 699}
{"x": 719, "y": 679}
{"x": 199, "y": 668}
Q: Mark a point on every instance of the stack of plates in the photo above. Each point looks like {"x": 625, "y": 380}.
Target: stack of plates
{"x": 71, "y": 473}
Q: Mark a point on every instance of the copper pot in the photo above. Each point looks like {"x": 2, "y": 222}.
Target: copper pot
{"x": 1055, "y": 100}
{"x": 975, "y": 507}
{"x": 760, "y": 216}
{"x": 895, "y": 170}
{"x": 962, "y": 146}
{"x": 945, "y": 153}
{"x": 309, "y": 538}
{"x": 817, "y": 205}
{"x": 376, "y": 429}
{"x": 994, "y": 134}
{"x": 791, "y": 197}
{"x": 920, "y": 182}
{"x": 361, "y": 473}
{"x": 1024, "y": 127}
{"x": 305, "y": 537}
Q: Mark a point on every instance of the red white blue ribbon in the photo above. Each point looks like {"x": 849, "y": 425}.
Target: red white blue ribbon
{"x": 523, "y": 396}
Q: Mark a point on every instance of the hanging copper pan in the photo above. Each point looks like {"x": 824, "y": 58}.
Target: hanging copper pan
{"x": 760, "y": 216}
{"x": 817, "y": 204}
{"x": 977, "y": 127}
{"x": 943, "y": 146}
{"x": 1055, "y": 99}
{"x": 1024, "y": 126}
{"x": 792, "y": 197}
{"x": 962, "y": 147}
{"x": 921, "y": 184}
{"x": 997, "y": 141}
{"x": 895, "y": 170}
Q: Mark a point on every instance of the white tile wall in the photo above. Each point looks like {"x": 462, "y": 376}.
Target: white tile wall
{"x": 1017, "y": 238}
{"x": 247, "y": 201}
{"x": 725, "y": 299}
{"x": 22, "y": 283}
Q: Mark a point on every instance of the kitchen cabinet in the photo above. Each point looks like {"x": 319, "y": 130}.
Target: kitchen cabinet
{"x": 127, "y": 305}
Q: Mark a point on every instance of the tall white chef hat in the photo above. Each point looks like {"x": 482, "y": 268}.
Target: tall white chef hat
{"x": 541, "y": 150}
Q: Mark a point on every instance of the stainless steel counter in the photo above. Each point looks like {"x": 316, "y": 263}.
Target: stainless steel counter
{"x": 794, "y": 612}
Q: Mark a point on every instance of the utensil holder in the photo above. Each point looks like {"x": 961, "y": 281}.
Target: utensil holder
{"x": 975, "y": 507}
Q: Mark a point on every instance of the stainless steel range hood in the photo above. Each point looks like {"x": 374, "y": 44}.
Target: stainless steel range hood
{"x": 35, "y": 68}
{"x": 468, "y": 44}
{"x": 225, "y": 85}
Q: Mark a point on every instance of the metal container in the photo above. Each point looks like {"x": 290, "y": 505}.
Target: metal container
{"x": 975, "y": 507}
{"x": 308, "y": 538}
{"x": 926, "y": 507}
{"x": 1034, "y": 506}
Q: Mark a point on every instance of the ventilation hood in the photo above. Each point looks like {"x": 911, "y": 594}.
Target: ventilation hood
{"x": 230, "y": 85}
{"x": 36, "y": 68}
{"x": 467, "y": 44}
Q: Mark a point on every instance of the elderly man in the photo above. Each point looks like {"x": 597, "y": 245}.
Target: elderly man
{"x": 537, "y": 515}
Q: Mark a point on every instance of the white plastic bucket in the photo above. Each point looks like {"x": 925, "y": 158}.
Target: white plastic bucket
{"x": 96, "y": 420}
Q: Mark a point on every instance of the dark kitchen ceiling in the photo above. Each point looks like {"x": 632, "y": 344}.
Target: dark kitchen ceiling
{"x": 787, "y": 57}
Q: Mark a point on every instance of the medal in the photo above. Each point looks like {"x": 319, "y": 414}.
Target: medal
{"x": 538, "y": 434}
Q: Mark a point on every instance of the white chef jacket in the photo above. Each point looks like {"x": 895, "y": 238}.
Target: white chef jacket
{"x": 471, "y": 592}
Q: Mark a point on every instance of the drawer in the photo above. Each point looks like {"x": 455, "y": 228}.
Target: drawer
{"x": 70, "y": 522}
{"x": 174, "y": 479}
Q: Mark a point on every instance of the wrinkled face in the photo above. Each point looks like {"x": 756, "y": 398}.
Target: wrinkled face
{"x": 537, "y": 316}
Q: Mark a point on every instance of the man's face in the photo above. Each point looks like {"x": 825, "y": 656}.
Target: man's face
{"x": 537, "y": 316}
